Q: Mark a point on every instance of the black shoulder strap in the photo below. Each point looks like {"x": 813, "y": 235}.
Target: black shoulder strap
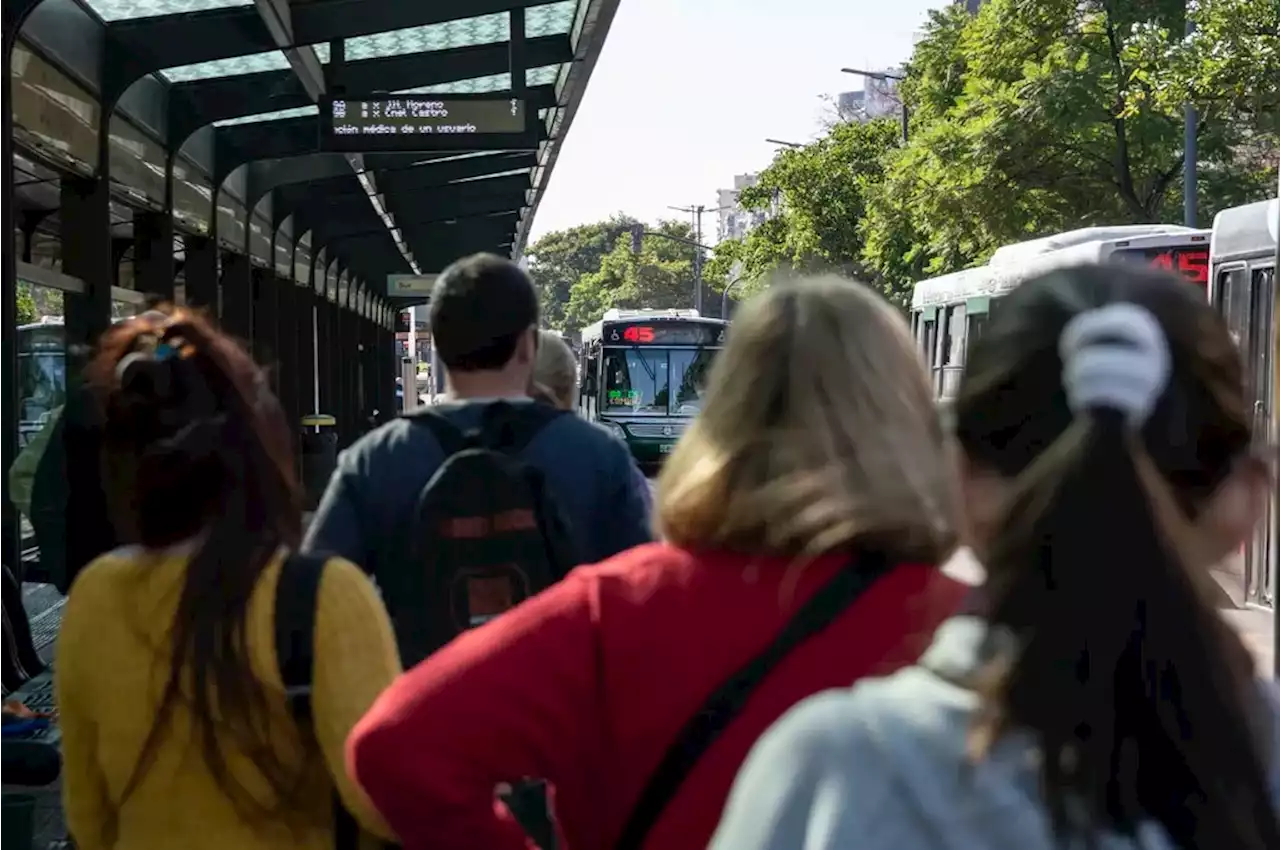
{"x": 509, "y": 428}
{"x": 727, "y": 702}
{"x": 448, "y": 435}
{"x": 504, "y": 426}
{"x": 297, "y": 596}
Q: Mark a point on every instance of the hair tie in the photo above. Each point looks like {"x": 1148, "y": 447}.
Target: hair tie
{"x": 1115, "y": 357}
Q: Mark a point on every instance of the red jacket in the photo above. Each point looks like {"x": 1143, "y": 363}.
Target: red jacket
{"x": 587, "y": 684}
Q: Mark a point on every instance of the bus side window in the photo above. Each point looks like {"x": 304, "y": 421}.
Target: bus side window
{"x": 952, "y": 352}
{"x": 928, "y": 339}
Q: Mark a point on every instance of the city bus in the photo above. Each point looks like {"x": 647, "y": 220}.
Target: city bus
{"x": 949, "y": 311}
{"x": 42, "y": 374}
{"x": 642, "y": 375}
{"x": 1243, "y": 287}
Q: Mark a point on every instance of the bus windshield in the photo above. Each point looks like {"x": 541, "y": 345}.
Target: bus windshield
{"x": 689, "y": 372}
{"x": 635, "y": 380}
{"x": 658, "y": 381}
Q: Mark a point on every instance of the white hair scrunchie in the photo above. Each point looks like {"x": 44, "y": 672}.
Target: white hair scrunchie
{"x": 1117, "y": 357}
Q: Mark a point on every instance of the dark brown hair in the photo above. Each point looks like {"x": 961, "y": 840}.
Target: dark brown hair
{"x": 1139, "y": 694}
{"x": 195, "y": 446}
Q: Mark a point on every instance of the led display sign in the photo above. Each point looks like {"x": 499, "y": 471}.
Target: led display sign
{"x": 664, "y": 333}
{"x": 1190, "y": 261}
{"x": 420, "y": 122}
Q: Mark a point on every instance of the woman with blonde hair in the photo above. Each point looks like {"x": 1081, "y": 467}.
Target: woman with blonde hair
{"x": 555, "y": 382}
{"x": 804, "y": 512}
{"x": 555, "y": 372}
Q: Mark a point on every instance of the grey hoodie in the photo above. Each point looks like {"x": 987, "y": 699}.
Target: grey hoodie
{"x": 881, "y": 766}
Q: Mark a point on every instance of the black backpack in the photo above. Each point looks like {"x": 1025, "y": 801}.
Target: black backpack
{"x": 297, "y": 595}
{"x": 485, "y": 535}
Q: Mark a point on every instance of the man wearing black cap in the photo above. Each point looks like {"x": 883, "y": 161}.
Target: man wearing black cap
{"x": 484, "y": 321}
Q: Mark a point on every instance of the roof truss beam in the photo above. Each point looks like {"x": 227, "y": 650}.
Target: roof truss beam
{"x": 145, "y": 45}
{"x": 309, "y": 199}
{"x": 197, "y": 103}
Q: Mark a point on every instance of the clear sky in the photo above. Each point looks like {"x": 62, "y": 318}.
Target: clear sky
{"x": 686, "y": 92}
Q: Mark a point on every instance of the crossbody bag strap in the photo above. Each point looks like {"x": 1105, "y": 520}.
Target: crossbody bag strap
{"x": 297, "y": 597}
{"x": 727, "y": 702}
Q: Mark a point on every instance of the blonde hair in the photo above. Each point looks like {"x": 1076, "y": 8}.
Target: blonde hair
{"x": 818, "y": 429}
{"x": 555, "y": 373}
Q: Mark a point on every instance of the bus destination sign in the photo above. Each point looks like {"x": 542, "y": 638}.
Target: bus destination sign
{"x": 417, "y": 122}
{"x": 1191, "y": 261}
{"x": 664, "y": 333}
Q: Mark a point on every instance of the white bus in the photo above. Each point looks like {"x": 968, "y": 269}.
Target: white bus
{"x": 643, "y": 373}
{"x": 1243, "y": 288}
{"x": 949, "y": 311}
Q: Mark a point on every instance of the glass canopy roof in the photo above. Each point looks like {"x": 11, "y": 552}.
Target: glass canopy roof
{"x": 543, "y": 76}
{"x": 548, "y": 19}
{"x": 124, "y": 10}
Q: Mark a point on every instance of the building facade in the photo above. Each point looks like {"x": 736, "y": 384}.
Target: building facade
{"x": 878, "y": 98}
{"x": 734, "y": 221}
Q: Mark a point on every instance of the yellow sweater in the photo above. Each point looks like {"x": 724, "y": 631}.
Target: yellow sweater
{"x": 112, "y": 662}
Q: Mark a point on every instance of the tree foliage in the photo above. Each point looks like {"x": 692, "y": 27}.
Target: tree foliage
{"x": 659, "y": 276}
{"x": 588, "y": 269}
{"x": 821, "y": 193}
{"x": 27, "y": 310}
{"x": 1050, "y": 115}
{"x": 560, "y": 259}
{"x": 1028, "y": 118}
{"x": 1031, "y": 117}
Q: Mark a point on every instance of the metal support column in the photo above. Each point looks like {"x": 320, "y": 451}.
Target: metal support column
{"x": 306, "y": 347}
{"x": 390, "y": 363}
{"x": 369, "y": 400}
{"x": 86, "y": 254}
{"x": 153, "y": 263}
{"x": 325, "y": 343}
{"x": 345, "y": 354}
{"x": 236, "y": 314}
{"x": 200, "y": 273}
{"x": 288, "y": 383}
{"x": 10, "y": 548}
{"x": 266, "y": 347}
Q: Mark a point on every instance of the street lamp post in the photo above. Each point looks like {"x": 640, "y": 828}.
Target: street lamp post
{"x": 882, "y": 76}
{"x": 696, "y": 212}
{"x": 783, "y": 144}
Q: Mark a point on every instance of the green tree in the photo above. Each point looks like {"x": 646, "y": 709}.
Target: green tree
{"x": 1228, "y": 68}
{"x": 27, "y": 310}
{"x": 820, "y": 191}
{"x": 560, "y": 259}
{"x": 1037, "y": 116}
{"x": 660, "y": 276}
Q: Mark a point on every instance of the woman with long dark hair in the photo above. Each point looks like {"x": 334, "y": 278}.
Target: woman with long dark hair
{"x": 176, "y": 729}
{"x": 1099, "y": 699}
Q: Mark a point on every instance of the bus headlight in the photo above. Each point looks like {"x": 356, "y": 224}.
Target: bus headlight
{"x": 615, "y": 429}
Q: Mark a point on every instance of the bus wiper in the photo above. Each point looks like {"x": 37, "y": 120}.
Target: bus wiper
{"x": 649, "y": 370}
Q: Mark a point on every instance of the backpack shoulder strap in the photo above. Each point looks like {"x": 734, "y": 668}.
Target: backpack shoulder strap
{"x": 450, "y": 437}
{"x": 510, "y": 428}
{"x": 297, "y": 597}
{"x": 727, "y": 702}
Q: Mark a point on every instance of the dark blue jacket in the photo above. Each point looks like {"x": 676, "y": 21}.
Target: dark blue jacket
{"x": 372, "y": 494}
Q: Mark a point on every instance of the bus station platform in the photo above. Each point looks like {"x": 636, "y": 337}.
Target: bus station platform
{"x": 45, "y": 604}
{"x": 299, "y": 171}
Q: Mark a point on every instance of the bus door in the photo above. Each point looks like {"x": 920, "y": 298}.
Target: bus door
{"x": 1247, "y": 298}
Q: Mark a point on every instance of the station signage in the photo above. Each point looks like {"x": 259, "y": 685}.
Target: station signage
{"x": 417, "y": 286}
{"x": 1189, "y": 261}
{"x": 423, "y": 122}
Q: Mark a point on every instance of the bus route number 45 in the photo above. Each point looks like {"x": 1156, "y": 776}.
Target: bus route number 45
{"x": 638, "y": 334}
